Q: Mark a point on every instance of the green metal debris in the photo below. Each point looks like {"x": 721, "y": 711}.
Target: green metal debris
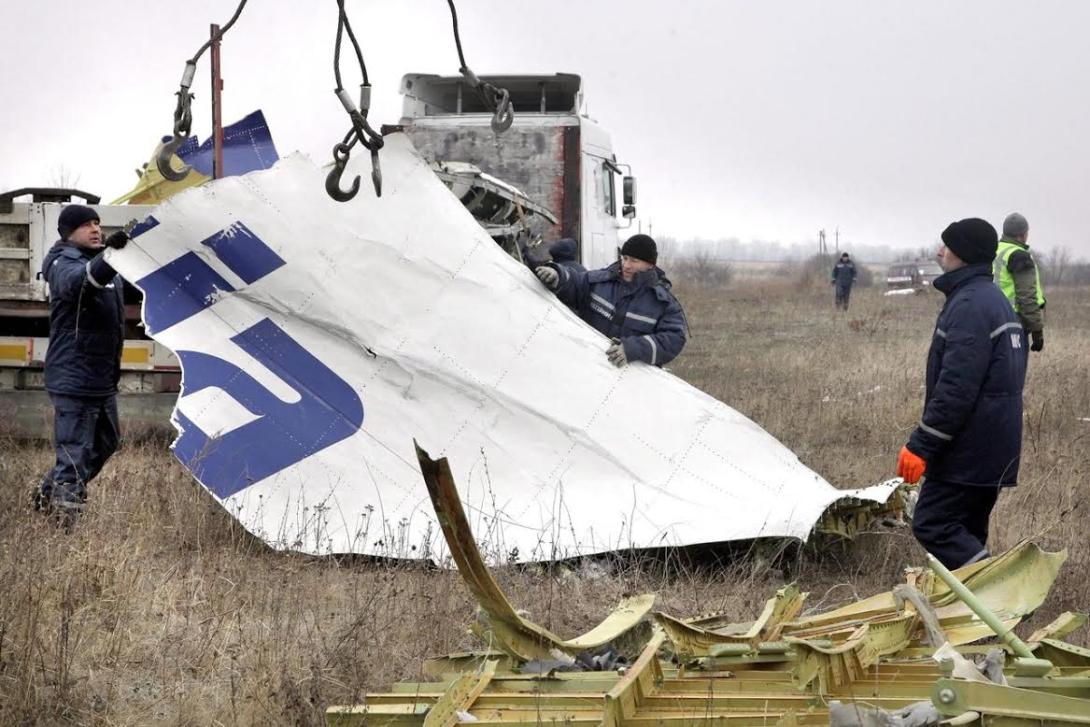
{"x": 909, "y": 651}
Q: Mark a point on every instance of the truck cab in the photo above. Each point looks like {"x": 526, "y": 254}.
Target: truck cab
{"x": 559, "y": 158}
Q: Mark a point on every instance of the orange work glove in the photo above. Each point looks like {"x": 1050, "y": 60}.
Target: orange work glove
{"x": 910, "y": 466}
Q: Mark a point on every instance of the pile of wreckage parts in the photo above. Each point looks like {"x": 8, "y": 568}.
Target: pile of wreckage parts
{"x": 911, "y": 656}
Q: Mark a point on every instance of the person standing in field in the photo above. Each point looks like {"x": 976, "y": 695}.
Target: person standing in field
{"x": 1018, "y": 276}
{"x": 969, "y": 440}
{"x": 844, "y": 276}
{"x": 629, "y": 301}
{"x": 83, "y": 361}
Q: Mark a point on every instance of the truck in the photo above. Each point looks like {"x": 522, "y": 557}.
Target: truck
{"x": 554, "y": 154}
{"x": 912, "y": 276}
{"x": 551, "y": 175}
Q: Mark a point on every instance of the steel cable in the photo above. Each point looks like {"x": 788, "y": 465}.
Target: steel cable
{"x": 183, "y": 114}
{"x": 495, "y": 99}
{"x": 223, "y": 30}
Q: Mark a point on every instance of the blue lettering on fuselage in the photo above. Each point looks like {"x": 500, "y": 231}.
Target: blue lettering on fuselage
{"x": 283, "y": 434}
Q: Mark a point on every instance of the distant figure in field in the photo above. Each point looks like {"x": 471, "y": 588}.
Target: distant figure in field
{"x": 969, "y": 440}
{"x": 564, "y": 252}
{"x": 629, "y": 301}
{"x": 844, "y": 276}
{"x": 1018, "y": 276}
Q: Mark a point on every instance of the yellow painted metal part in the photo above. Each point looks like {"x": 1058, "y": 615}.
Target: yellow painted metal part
{"x": 847, "y": 662}
{"x": 506, "y": 629}
{"x": 1013, "y": 584}
{"x": 153, "y": 187}
{"x": 135, "y": 355}
{"x": 778, "y": 669}
{"x": 459, "y": 697}
{"x": 15, "y": 353}
{"x": 653, "y": 692}
{"x": 690, "y": 639}
{"x": 1064, "y": 624}
{"x": 956, "y": 696}
{"x": 640, "y": 681}
{"x": 849, "y": 516}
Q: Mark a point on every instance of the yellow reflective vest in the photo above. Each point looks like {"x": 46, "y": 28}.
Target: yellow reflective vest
{"x": 1005, "y": 280}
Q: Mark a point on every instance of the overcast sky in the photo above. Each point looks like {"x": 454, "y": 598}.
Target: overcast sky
{"x": 752, "y": 119}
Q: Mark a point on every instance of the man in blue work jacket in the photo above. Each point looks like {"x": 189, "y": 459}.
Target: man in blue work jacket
{"x": 969, "y": 439}
{"x": 844, "y": 276}
{"x": 83, "y": 361}
{"x": 630, "y": 302}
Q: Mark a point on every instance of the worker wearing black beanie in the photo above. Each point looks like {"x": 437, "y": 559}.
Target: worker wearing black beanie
{"x": 72, "y": 217}
{"x": 968, "y": 443}
{"x": 629, "y": 301}
{"x": 83, "y": 359}
{"x": 641, "y": 247}
{"x": 973, "y": 240}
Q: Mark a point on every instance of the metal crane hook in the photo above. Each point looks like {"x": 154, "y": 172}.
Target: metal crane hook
{"x": 333, "y": 179}
{"x": 162, "y": 160}
{"x": 505, "y": 113}
{"x": 183, "y": 121}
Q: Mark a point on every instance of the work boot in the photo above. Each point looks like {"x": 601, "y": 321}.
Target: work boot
{"x": 62, "y": 502}
{"x": 41, "y": 495}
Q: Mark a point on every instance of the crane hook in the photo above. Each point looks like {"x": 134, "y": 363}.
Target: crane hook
{"x": 162, "y": 160}
{"x": 183, "y": 120}
{"x": 505, "y": 112}
{"x": 333, "y": 179}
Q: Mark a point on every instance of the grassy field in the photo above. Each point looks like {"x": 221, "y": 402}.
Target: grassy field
{"x": 159, "y": 609}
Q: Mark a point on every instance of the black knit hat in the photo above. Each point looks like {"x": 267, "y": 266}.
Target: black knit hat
{"x": 564, "y": 250}
{"x": 641, "y": 247}
{"x": 973, "y": 240}
{"x": 72, "y": 217}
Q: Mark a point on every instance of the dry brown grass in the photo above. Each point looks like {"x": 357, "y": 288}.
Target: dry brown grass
{"x": 160, "y": 609}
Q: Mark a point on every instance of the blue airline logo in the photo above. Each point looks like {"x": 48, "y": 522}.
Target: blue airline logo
{"x": 283, "y": 434}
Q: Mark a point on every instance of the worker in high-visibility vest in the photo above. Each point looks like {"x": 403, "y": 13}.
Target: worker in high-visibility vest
{"x": 1018, "y": 276}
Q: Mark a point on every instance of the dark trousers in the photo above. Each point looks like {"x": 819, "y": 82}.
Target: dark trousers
{"x": 951, "y": 521}
{"x": 843, "y": 294}
{"x": 85, "y": 434}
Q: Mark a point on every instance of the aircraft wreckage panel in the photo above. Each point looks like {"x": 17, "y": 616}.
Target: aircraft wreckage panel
{"x": 319, "y": 339}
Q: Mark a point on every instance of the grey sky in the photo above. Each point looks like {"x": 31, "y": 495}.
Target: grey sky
{"x": 751, "y": 119}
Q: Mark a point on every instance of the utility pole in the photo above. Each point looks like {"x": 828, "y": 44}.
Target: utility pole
{"x": 838, "y": 238}
{"x": 821, "y": 242}
{"x": 217, "y": 108}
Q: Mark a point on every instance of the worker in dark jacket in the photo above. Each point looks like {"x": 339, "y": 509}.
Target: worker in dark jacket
{"x": 1018, "y": 276}
{"x": 630, "y": 302}
{"x": 969, "y": 439}
{"x": 844, "y": 276}
{"x": 83, "y": 361}
{"x": 565, "y": 252}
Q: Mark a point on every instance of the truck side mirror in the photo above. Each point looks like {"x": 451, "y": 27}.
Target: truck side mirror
{"x": 629, "y": 186}
{"x": 628, "y": 211}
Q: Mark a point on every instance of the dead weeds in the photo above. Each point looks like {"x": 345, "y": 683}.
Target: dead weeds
{"x": 160, "y": 608}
